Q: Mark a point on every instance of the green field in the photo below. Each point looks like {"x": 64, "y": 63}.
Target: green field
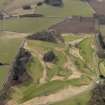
{"x": 8, "y": 49}
{"x": 4, "y": 70}
{"x": 28, "y": 25}
{"x": 70, "y": 8}
{"x": 3, "y": 3}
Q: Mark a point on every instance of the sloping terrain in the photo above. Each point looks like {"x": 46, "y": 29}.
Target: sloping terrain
{"x": 9, "y": 44}
{"x": 47, "y": 70}
{"x": 71, "y": 71}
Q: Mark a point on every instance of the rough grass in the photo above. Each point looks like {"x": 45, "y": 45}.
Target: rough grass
{"x": 70, "y": 8}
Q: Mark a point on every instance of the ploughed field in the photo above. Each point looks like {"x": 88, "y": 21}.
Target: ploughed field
{"x": 98, "y": 6}
{"x": 75, "y": 25}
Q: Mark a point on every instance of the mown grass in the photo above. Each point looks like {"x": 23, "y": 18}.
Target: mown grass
{"x": 71, "y": 37}
{"x": 58, "y": 70}
{"x": 35, "y": 69}
{"x": 61, "y": 58}
{"x": 43, "y": 45}
{"x": 86, "y": 50}
{"x": 71, "y": 7}
{"x": 58, "y": 66}
{"x": 51, "y": 87}
{"x": 8, "y": 49}
{"x": 29, "y": 25}
{"x": 81, "y": 99}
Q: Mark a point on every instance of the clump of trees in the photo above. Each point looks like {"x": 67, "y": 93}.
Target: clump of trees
{"x": 98, "y": 95}
{"x": 100, "y": 18}
{"x": 19, "y": 73}
{"x": 26, "y": 7}
{"x": 54, "y": 2}
{"x": 49, "y": 56}
{"x": 100, "y": 45}
{"x": 50, "y": 36}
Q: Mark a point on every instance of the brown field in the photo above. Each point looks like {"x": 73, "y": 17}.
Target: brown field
{"x": 75, "y": 25}
{"x": 98, "y": 6}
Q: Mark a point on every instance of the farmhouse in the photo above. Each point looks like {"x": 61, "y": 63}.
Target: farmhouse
{"x": 75, "y": 25}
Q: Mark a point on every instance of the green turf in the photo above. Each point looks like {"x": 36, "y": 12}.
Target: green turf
{"x": 86, "y": 50}
{"x": 71, "y": 37}
{"x": 70, "y": 8}
{"x": 46, "y": 46}
{"x": 52, "y": 87}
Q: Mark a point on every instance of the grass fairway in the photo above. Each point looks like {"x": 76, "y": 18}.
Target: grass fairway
{"x": 4, "y": 70}
{"x": 71, "y": 7}
{"x": 8, "y": 49}
{"x": 35, "y": 69}
{"x": 51, "y": 87}
{"x": 28, "y": 25}
{"x": 86, "y": 50}
{"x": 71, "y": 37}
{"x": 81, "y": 99}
